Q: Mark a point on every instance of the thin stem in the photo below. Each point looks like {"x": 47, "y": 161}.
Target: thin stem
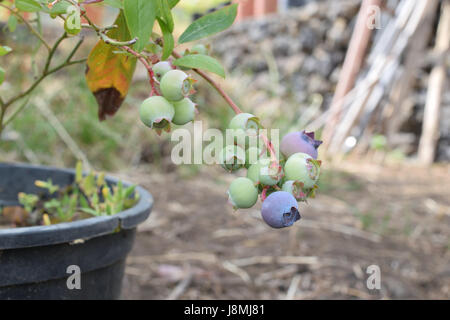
{"x": 113, "y": 42}
{"x": 29, "y": 26}
{"x": 42, "y": 77}
{"x": 216, "y": 86}
{"x": 17, "y": 111}
{"x": 269, "y": 146}
{"x": 144, "y": 61}
{"x": 52, "y": 52}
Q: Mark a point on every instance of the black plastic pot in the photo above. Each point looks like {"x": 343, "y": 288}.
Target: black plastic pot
{"x": 35, "y": 262}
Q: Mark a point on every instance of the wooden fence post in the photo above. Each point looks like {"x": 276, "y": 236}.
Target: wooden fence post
{"x": 436, "y": 84}
{"x": 352, "y": 64}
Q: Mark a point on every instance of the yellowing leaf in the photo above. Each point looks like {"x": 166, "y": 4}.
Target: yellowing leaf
{"x": 108, "y": 73}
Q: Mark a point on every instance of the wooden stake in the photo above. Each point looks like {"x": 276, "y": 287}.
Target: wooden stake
{"x": 352, "y": 64}
{"x": 436, "y": 83}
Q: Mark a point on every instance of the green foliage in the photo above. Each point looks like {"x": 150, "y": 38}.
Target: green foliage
{"x": 28, "y": 201}
{"x": 165, "y": 14}
{"x": 28, "y": 5}
{"x": 378, "y": 142}
{"x": 200, "y": 61}
{"x": 210, "y": 24}
{"x": 140, "y": 16}
{"x": 168, "y": 40}
{"x": 12, "y": 23}
{"x": 4, "y": 50}
{"x": 2, "y": 75}
{"x": 89, "y": 194}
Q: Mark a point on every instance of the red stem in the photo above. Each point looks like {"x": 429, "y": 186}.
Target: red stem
{"x": 270, "y": 147}
{"x": 151, "y": 74}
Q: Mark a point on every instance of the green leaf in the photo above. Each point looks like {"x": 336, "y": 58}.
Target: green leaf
{"x": 2, "y": 75}
{"x": 201, "y": 61}
{"x": 210, "y": 24}
{"x": 165, "y": 14}
{"x": 90, "y": 211}
{"x": 60, "y": 8}
{"x": 129, "y": 191}
{"x": 114, "y": 3}
{"x": 79, "y": 172}
{"x": 28, "y": 5}
{"x": 169, "y": 43}
{"x": 140, "y": 16}
{"x": 12, "y": 23}
{"x": 173, "y": 3}
{"x": 4, "y": 50}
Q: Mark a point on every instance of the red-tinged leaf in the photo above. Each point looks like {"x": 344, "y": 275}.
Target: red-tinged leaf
{"x": 109, "y": 74}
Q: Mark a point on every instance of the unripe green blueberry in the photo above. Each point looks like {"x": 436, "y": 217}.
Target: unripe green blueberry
{"x": 270, "y": 172}
{"x": 302, "y": 168}
{"x": 244, "y": 127}
{"x": 300, "y": 155}
{"x": 242, "y": 193}
{"x": 184, "y": 111}
{"x": 175, "y": 85}
{"x": 244, "y": 121}
{"x": 265, "y": 172}
{"x": 252, "y": 156}
{"x": 199, "y": 49}
{"x": 161, "y": 68}
{"x": 156, "y": 112}
{"x": 253, "y": 172}
{"x": 232, "y": 158}
{"x": 295, "y": 188}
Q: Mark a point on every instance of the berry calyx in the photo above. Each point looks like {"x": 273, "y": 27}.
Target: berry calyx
{"x": 300, "y": 141}
{"x": 295, "y": 188}
{"x": 270, "y": 172}
{"x": 156, "y": 112}
{"x": 245, "y": 121}
{"x": 184, "y": 111}
{"x": 280, "y": 210}
{"x": 242, "y": 193}
{"x": 232, "y": 158}
{"x": 175, "y": 85}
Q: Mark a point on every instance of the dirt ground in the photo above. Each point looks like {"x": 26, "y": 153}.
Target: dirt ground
{"x": 195, "y": 247}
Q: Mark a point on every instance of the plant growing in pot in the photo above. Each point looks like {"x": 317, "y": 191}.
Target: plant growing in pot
{"x": 71, "y": 231}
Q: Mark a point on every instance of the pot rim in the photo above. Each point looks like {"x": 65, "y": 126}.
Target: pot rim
{"x": 69, "y": 232}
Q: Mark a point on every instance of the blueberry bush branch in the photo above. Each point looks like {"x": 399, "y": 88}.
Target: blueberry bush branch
{"x": 45, "y": 73}
{"x": 27, "y": 24}
{"x": 280, "y": 181}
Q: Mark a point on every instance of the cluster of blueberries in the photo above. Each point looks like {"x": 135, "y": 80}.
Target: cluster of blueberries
{"x": 173, "y": 105}
{"x": 281, "y": 183}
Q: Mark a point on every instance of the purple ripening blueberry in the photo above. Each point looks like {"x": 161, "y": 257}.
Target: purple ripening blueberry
{"x": 300, "y": 141}
{"x": 280, "y": 209}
